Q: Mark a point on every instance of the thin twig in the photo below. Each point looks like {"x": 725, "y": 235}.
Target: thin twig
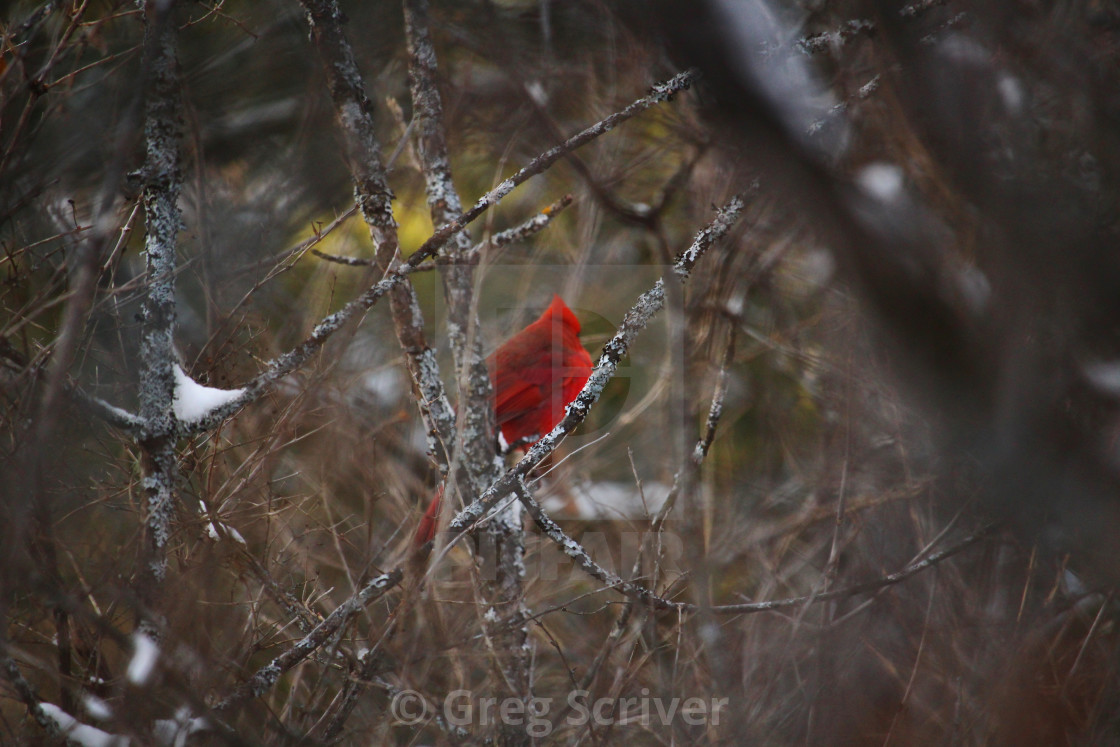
{"x": 647, "y": 597}
{"x": 267, "y": 676}
{"x": 30, "y": 698}
{"x": 848, "y": 591}
{"x": 648, "y": 304}
{"x": 658, "y": 94}
{"x": 519, "y": 232}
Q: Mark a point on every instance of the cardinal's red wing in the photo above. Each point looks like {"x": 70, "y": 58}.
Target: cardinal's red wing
{"x": 531, "y": 373}
{"x": 523, "y": 405}
{"x": 515, "y": 398}
{"x": 518, "y": 374}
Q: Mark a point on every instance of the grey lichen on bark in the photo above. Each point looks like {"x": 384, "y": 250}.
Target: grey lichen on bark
{"x": 648, "y": 304}
{"x": 502, "y": 569}
{"x": 161, "y": 187}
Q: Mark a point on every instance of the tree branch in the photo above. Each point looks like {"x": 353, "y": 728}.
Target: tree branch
{"x": 163, "y": 220}
{"x": 648, "y": 304}
{"x": 658, "y": 94}
{"x": 267, "y": 676}
{"x": 647, "y": 597}
{"x": 503, "y": 589}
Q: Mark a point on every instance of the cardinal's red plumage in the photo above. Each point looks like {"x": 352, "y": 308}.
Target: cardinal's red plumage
{"x": 525, "y": 371}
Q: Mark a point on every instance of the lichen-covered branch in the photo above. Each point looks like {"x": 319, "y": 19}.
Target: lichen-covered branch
{"x": 267, "y": 676}
{"x": 162, "y": 183}
{"x": 475, "y": 391}
{"x": 658, "y": 94}
{"x": 354, "y": 112}
{"x": 502, "y": 589}
{"x": 520, "y": 232}
{"x": 715, "y": 411}
{"x": 29, "y": 697}
{"x": 648, "y": 304}
{"x": 583, "y": 559}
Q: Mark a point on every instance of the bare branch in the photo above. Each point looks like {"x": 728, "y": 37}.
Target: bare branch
{"x": 162, "y": 182}
{"x": 658, "y": 94}
{"x": 30, "y": 698}
{"x": 645, "y": 596}
{"x": 267, "y": 676}
{"x": 848, "y": 591}
{"x": 715, "y": 410}
{"x": 370, "y": 664}
{"x": 648, "y": 304}
{"x": 520, "y": 232}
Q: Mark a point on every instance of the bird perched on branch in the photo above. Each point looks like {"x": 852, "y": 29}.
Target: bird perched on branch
{"x": 536, "y": 374}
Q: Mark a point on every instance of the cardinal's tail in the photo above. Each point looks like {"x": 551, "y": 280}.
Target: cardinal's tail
{"x": 426, "y": 532}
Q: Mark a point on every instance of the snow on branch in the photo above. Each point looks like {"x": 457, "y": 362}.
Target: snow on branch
{"x": 29, "y": 697}
{"x": 169, "y": 732}
{"x": 162, "y": 183}
{"x": 193, "y": 401}
{"x": 78, "y": 733}
{"x": 145, "y": 655}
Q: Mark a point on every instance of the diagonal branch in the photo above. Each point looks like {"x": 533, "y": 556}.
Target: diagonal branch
{"x": 520, "y": 232}
{"x": 267, "y": 676}
{"x": 848, "y": 591}
{"x": 648, "y": 597}
{"x": 583, "y": 559}
{"x": 30, "y": 698}
{"x": 658, "y": 94}
{"x": 648, "y": 304}
{"x": 534, "y": 225}
{"x": 288, "y": 362}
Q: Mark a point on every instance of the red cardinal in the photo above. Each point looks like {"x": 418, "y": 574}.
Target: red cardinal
{"x": 536, "y": 373}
